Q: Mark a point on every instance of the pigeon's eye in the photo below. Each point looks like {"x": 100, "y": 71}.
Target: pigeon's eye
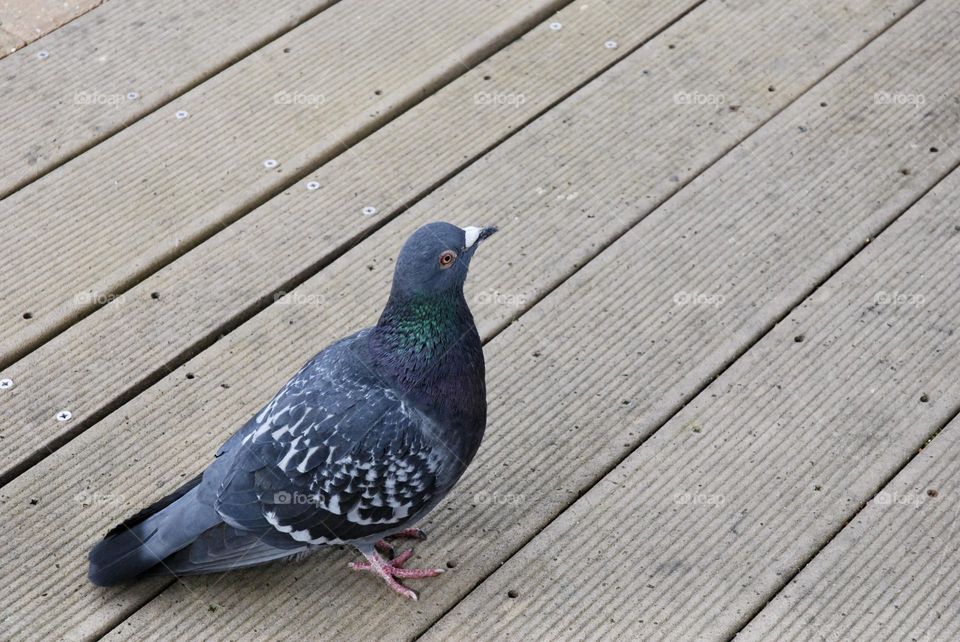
{"x": 447, "y": 258}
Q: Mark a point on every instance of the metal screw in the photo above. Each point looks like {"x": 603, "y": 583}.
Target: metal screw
{"x": 610, "y": 44}
{"x": 64, "y": 415}
{"x": 43, "y": 54}
{"x": 6, "y": 384}
{"x": 369, "y": 210}
{"x": 312, "y": 185}
{"x": 132, "y": 95}
{"x": 556, "y": 26}
{"x": 182, "y": 114}
{"x": 270, "y": 163}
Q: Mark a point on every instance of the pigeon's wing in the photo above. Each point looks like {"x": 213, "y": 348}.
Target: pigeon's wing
{"x": 335, "y": 456}
{"x": 224, "y": 548}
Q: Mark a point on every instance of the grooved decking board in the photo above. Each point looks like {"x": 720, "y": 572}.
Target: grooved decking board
{"x": 276, "y": 243}
{"x": 161, "y": 426}
{"x": 702, "y": 524}
{"x": 56, "y": 107}
{"x": 893, "y": 572}
{"x": 707, "y": 519}
{"x": 144, "y": 196}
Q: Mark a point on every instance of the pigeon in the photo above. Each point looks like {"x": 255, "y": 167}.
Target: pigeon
{"x": 355, "y": 449}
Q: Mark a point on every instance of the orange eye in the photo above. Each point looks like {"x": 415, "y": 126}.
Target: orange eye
{"x": 447, "y": 258}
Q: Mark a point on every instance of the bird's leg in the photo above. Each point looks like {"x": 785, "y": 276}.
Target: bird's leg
{"x": 393, "y": 570}
{"x": 386, "y": 547}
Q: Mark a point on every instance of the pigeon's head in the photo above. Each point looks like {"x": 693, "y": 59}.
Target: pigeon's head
{"x": 435, "y": 258}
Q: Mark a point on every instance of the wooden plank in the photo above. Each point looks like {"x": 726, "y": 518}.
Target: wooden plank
{"x": 31, "y": 19}
{"x": 892, "y": 573}
{"x": 148, "y": 194}
{"x": 160, "y": 426}
{"x": 9, "y": 43}
{"x": 57, "y": 107}
{"x": 711, "y": 515}
{"x": 280, "y": 243}
{"x": 242, "y": 269}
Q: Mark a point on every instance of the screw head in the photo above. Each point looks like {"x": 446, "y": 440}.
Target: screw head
{"x": 183, "y": 113}
{"x": 610, "y": 44}
{"x": 43, "y": 54}
{"x": 64, "y": 415}
{"x": 556, "y": 26}
{"x": 133, "y": 95}
{"x": 270, "y": 163}
{"x": 312, "y": 185}
{"x": 369, "y": 210}
{"x": 6, "y": 384}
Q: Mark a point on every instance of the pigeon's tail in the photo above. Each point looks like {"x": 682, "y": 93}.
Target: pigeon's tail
{"x": 143, "y": 541}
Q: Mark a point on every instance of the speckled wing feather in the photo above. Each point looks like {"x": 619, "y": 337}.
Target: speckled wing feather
{"x": 337, "y": 455}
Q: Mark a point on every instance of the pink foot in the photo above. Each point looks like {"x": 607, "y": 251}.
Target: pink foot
{"x": 393, "y": 570}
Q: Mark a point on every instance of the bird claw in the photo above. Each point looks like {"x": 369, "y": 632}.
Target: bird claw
{"x": 393, "y": 570}
{"x": 387, "y": 548}
{"x": 409, "y": 533}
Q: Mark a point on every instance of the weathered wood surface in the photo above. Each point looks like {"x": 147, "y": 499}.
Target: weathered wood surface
{"x": 707, "y": 360}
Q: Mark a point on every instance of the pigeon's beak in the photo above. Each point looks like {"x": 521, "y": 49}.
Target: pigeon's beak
{"x": 473, "y": 235}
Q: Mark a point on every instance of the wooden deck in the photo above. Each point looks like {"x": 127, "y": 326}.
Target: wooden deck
{"x": 720, "y": 318}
